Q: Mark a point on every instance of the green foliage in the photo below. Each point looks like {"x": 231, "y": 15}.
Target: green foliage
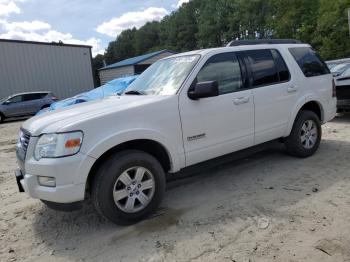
{"x": 208, "y": 23}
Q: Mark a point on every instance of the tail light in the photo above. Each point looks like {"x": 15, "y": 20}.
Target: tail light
{"x": 334, "y": 89}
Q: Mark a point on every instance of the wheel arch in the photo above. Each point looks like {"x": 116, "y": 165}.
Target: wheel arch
{"x": 308, "y": 104}
{"x": 154, "y": 148}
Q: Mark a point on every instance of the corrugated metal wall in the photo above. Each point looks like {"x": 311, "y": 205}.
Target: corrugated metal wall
{"x": 25, "y": 67}
{"x": 113, "y": 73}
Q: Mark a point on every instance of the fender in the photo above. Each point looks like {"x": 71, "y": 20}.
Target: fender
{"x": 301, "y": 102}
{"x": 177, "y": 159}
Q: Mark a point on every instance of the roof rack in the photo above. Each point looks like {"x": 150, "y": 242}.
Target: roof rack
{"x": 263, "y": 41}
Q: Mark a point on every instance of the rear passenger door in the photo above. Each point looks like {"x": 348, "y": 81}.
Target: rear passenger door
{"x": 33, "y": 102}
{"x": 274, "y": 92}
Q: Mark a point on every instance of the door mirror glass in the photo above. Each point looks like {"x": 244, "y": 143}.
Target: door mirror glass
{"x": 204, "y": 89}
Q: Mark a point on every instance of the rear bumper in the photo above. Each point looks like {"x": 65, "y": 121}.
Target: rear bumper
{"x": 343, "y": 104}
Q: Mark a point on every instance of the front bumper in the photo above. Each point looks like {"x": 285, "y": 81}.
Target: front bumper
{"x": 70, "y": 174}
{"x": 59, "y": 194}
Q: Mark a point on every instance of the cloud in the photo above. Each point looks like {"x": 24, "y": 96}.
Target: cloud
{"x": 181, "y": 2}
{"x": 42, "y": 32}
{"x": 116, "y": 25}
{"x": 26, "y": 26}
{"x": 8, "y": 7}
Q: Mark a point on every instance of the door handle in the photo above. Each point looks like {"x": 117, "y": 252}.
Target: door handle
{"x": 241, "y": 100}
{"x": 292, "y": 89}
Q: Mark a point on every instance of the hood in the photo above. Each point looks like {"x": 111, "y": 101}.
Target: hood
{"x": 60, "y": 120}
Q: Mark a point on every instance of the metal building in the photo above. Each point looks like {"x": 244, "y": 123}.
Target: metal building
{"x": 131, "y": 66}
{"x": 64, "y": 69}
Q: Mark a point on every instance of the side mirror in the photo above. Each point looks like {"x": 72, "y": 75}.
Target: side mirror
{"x": 204, "y": 89}
{"x": 7, "y": 102}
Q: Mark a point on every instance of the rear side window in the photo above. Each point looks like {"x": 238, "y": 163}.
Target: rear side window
{"x": 282, "y": 69}
{"x": 263, "y": 67}
{"x": 309, "y": 62}
{"x": 34, "y": 96}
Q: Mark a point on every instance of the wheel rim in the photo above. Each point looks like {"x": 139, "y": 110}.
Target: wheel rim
{"x": 134, "y": 189}
{"x": 308, "y": 134}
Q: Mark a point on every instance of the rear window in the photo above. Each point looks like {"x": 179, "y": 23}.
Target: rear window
{"x": 263, "y": 67}
{"x": 309, "y": 62}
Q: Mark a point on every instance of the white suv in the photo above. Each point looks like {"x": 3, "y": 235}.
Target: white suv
{"x": 183, "y": 110}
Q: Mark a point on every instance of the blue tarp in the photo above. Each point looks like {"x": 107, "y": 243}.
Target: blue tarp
{"x": 113, "y": 87}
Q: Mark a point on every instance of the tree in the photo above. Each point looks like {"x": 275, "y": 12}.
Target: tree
{"x": 332, "y": 33}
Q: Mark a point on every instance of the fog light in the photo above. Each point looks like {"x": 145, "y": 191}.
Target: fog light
{"x": 47, "y": 181}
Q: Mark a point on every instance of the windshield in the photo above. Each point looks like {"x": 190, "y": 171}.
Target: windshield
{"x": 346, "y": 72}
{"x": 163, "y": 77}
{"x": 339, "y": 68}
{"x": 4, "y": 99}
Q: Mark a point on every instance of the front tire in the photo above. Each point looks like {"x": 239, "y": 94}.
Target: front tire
{"x": 128, "y": 187}
{"x": 305, "y": 136}
{"x": 2, "y": 118}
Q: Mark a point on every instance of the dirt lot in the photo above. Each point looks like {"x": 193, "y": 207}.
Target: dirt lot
{"x": 265, "y": 207}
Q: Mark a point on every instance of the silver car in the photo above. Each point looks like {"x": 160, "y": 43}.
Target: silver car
{"x": 25, "y": 104}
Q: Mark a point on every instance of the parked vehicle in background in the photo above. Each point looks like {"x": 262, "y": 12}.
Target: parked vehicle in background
{"x": 114, "y": 87}
{"x": 25, "y": 104}
{"x": 339, "y": 69}
{"x": 342, "y": 83}
{"x": 183, "y": 110}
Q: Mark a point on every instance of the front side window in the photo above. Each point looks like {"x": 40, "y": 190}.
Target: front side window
{"x": 309, "y": 62}
{"x": 263, "y": 67}
{"x": 225, "y": 69}
{"x": 16, "y": 99}
{"x": 164, "y": 77}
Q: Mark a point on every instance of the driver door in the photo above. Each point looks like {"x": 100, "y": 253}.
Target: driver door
{"x": 15, "y": 107}
{"x": 216, "y": 126}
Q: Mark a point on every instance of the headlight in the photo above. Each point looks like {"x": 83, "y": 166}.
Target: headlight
{"x": 58, "y": 145}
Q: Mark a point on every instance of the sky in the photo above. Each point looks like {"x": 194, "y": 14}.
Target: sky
{"x": 84, "y": 22}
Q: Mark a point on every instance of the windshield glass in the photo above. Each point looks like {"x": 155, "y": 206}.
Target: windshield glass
{"x": 163, "y": 77}
{"x": 339, "y": 68}
{"x": 4, "y": 99}
{"x": 346, "y": 72}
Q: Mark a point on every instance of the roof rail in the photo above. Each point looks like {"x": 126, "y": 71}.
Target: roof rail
{"x": 263, "y": 41}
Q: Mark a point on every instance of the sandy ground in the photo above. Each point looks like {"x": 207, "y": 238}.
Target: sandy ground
{"x": 265, "y": 207}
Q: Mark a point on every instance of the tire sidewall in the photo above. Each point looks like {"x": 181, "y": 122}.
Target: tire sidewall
{"x": 109, "y": 173}
{"x": 302, "y": 117}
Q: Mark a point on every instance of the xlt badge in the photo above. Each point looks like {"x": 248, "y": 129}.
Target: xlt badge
{"x": 191, "y": 138}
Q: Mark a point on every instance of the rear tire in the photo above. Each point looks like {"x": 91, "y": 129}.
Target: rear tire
{"x": 305, "y": 136}
{"x": 2, "y": 118}
{"x": 128, "y": 187}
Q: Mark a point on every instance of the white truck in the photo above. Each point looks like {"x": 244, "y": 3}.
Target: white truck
{"x": 183, "y": 110}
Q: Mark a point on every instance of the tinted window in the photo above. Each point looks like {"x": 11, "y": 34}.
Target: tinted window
{"x": 263, "y": 67}
{"x": 36, "y": 96}
{"x": 282, "y": 69}
{"x": 225, "y": 69}
{"x": 16, "y": 99}
{"x": 309, "y": 61}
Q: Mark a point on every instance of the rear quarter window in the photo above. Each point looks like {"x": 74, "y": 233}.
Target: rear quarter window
{"x": 309, "y": 62}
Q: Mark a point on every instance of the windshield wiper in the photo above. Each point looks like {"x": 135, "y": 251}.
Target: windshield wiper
{"x": 134, "y": 92}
